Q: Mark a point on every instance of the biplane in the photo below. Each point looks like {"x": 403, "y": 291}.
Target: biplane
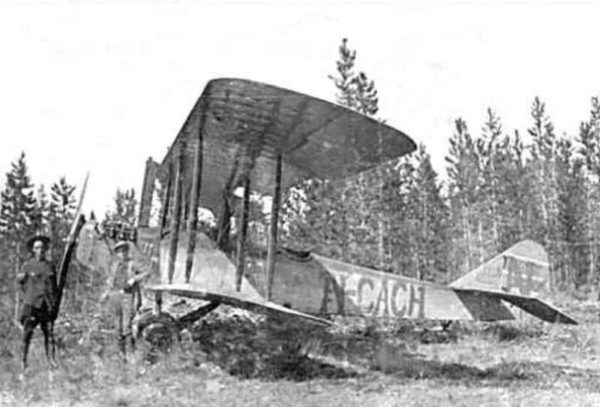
{"x": 245, "y": 137}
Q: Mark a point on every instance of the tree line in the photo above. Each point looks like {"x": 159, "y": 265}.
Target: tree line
{"x": 499, "y": 188}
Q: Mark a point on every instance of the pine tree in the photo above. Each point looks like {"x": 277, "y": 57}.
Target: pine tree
{"x": 61, "y": 213}
{"x": 589, "y": 139}
{"x": 505, "y": 185}
{"x": 491, "y": 154}
{"x": 362, "y": 213}
{"x": 543, "y": 154}
{"x": 514, "y": 191}
{"x": 18, "y": 208}
{"x": 543, "y": 161}
{"x": 18, "y": 202}
{"x": 572, "y": 256}
{"x": 365, "y": 95}
{"x": 42, "y": 210}
{"x": 400, "y": 212}
{"x": 310, "y": 218}
{"x": 18, "y": 221}
{"x": 345, "y": 82}
{"x": 463, "y": 191}
{"x": 125, "y": 205}
{"x": 430, "y": 215}
{"x": 313, "y": 216}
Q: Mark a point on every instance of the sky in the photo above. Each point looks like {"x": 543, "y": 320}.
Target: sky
{"x": 101, "y": 86}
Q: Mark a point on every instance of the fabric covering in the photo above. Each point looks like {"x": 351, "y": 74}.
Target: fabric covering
{"x": 246, "y": 124}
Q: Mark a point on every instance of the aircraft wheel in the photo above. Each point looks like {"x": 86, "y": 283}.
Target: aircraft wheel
{"x": 157, "y": 330}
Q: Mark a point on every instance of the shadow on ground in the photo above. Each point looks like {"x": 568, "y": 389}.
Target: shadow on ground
{"x": 272, "y": 349}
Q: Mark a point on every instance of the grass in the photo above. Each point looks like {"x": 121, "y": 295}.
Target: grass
{"x": 233, "y": 358}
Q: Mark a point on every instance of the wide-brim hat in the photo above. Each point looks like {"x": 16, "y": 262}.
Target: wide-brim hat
{"x": 42, "y": 238}
{"x": 122, "y": 245}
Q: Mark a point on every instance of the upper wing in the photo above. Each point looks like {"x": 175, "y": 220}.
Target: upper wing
{"x": 245, "y": 124}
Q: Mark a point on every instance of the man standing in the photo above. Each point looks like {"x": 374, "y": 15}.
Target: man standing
{"x": 124, "y": 295}
{"x": 38, "y": 281}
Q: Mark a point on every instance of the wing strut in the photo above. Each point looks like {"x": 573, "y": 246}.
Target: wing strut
{"x": 241, "y": 243}
{"x": 166, "y": 198}
{"x": 148, "y": 188}
{"x": 195, "y": 196}
{"x": 273, "y": 226}
{"x": 176, "y": 214}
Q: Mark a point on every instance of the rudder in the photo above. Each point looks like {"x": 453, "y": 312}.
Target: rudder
{"x": 523, "y": 269}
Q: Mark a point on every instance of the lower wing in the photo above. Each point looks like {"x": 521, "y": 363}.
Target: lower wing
{"x": 235, "y": 299}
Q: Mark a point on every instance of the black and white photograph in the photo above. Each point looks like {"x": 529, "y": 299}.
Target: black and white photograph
{"x": 336, "y": 203}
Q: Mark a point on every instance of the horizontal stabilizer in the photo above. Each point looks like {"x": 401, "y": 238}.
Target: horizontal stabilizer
{"x": 235, "y": 299}
{"x": 484, "y": 307}
{"x": 534, "y": 306}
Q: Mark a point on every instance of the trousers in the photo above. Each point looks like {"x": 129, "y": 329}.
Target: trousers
{"x": 122, "y": 309}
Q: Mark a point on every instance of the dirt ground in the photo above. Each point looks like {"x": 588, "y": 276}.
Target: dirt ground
{"x": 238, "y": 360}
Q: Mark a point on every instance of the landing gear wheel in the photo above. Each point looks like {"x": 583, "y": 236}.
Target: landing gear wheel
{"x": 157, "y": 330}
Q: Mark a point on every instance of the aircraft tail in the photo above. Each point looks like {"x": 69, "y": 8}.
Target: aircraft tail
{"x": 523, "y": 269}
{"x": 519, "y": 276}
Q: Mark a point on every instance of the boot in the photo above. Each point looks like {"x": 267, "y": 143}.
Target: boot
{"x": 132, "y": 344}
{"x": 25, "y": 349}
{"x": 123, "y": 348}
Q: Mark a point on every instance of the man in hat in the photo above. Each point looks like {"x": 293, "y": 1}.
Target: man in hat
{"x": 124, "y": 295}
{"x": 38, "y": 281}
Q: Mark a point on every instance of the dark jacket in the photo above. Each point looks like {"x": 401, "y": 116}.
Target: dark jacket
{"x": 38, "y": 280}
